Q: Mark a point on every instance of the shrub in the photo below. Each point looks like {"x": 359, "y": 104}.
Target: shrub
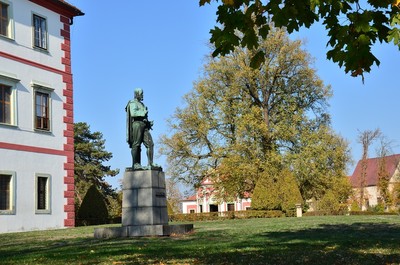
{"x": 329, "y": 202}
{"x": 93, "y": 209}
{"x": 169, "y": 208}
{"x": 354, "y": 207}
{"x": 379, "y": 208}
{"x": 277, "y": 192}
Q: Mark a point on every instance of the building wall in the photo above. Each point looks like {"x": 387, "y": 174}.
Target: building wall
{"x": 27, "y": 165}
{"x": 22, "y": 46}
{"x": 189, "y": 205}
{"x": 206, "y": 201}
{"x": 27, "y": 151}
{"x": 372, "y": 192}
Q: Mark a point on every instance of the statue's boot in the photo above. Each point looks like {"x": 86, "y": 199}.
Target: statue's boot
{"x": 151, "y": 165}
{"x": 135, "y": 157}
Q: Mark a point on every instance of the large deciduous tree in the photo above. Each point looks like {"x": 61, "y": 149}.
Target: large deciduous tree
{"x": 240, "y": 124}
{"x": 353, "y": 26}
{"x": 90, "y": 156}
{"x": 319, "y": 158}
{"x": 174, "y": 196}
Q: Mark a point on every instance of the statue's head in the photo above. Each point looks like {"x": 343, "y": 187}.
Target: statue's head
{"x": 139, "y": 93}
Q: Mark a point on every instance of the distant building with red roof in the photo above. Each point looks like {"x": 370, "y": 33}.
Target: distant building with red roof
{"x": 205, "y": 201}
{"x": 371, "y": 191}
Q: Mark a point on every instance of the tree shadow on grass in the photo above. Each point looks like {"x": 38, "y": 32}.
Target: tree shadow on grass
{"x": 359, "y": 243}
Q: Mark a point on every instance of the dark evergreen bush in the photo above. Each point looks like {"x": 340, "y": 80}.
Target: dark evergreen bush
{"x": 93, "y": 209}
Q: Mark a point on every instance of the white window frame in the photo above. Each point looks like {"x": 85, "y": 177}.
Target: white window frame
{"x": 11, "y": 81}
{"x": 10, "y": 28}
{"x": 45, "y": 89}
{"x": 47, "y": 210}
{"x": 45, "y": 46}
{"x": 13, "y": 181}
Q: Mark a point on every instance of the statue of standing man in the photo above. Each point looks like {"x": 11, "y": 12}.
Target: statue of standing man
{"x": 138, "y": 131}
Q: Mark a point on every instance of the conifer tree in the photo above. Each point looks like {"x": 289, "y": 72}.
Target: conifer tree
{"x": 90, "y": 156}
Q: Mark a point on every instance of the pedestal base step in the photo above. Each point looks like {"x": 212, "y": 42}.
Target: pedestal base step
{"x": 142, "y": 230}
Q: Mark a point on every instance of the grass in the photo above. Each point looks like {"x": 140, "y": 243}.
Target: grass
{"x": 307, "y": 240}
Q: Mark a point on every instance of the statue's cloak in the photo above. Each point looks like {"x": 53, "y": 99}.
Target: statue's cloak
{"x": 128, "y": 124}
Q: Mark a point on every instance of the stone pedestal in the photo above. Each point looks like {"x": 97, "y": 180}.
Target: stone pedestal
{"x": 144, "y": 198}
{"x": 144, "y": 207}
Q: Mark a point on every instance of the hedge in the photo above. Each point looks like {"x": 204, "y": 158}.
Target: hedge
{"x": 342, "y": 212}
{"x": 372, "y": 213}
{"x": 192, "y": 217}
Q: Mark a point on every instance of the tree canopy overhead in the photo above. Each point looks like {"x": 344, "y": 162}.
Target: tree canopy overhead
{"x": 353, "y": 26}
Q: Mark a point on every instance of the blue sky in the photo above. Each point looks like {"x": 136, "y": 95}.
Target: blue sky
{"x": 160, "y": 46}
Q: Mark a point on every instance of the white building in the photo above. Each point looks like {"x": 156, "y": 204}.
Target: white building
{"x": 205, "y": 201}
{"x": 36, "y": 115}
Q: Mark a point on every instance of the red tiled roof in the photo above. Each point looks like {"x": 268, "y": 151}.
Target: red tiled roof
{"x": 74, "y": 9}
{"x": 372, "y": 170}
{"x": 60, "y": 6}
{"x": 190, "y": 198}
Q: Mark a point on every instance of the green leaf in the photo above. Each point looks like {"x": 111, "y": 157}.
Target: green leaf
{"x": 363, "y": 39}
{"x": 394, "y": 36}
{"x": 395, "y": 20}
{"x": 257, "y": 60}
{"x": 367, "y": 22}
{"x": 263, "y": 31}
{"x": 203, "y": 2}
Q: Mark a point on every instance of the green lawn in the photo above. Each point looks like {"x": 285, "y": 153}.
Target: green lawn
{"x": 306, "y": 240}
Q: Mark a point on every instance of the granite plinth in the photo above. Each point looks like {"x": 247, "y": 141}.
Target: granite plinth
{"x": 144, "y": 199}
{"x": 142, "y": 231}
{"x": 144, "y": 208}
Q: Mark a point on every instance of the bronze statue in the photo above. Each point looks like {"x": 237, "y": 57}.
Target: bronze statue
{"x": 138, "y": 131}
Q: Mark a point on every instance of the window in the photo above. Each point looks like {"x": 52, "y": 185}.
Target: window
{"x": 40, "y": 32}
{"x": 42, "y": 121}
{"x": 4, "y": 19}
{"x": 213, "y": 208}
{"x": 7, "y": 180}
{"x": 42, "y": 106}
{"x": 231, "y": 207}
{"x": 5, "y": 104}
{"x": 42, "y": 193}
{"x": 7, "y": 98}
{"x": 5, "y": 191}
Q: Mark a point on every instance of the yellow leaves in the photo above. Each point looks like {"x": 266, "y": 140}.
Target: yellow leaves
{"x": 396, "y": 3}
{"x": 228, "y": 2}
